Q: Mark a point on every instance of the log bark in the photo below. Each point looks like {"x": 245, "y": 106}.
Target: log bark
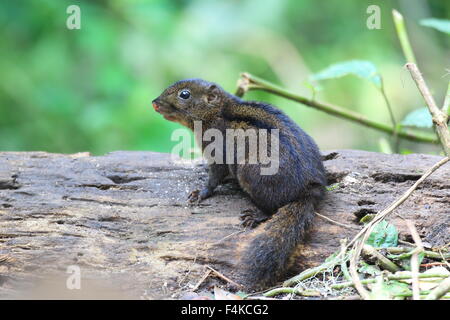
{"x": 123, "y": 220}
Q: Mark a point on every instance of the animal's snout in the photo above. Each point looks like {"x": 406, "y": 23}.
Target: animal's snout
{"x": 155, "y": 105}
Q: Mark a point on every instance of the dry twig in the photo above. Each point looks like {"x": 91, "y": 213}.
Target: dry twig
{"x": 335, "y": 222}
{"x": 202, "y": 279}
{"x": 415, "y": 260}
{"x": 220, "y": 275}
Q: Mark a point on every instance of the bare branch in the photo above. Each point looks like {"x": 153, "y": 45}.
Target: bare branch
{"x": 446, "y": 104}
{"x": 439, "y": 118}
{"x": 250, "y": 82}
{"x": 415, "y": 260}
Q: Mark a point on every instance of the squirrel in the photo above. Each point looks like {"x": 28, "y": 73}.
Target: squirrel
{"x": 285, "y": 199}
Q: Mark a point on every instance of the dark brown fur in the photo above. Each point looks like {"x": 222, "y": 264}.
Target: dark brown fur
{"x": 288, "y": 197}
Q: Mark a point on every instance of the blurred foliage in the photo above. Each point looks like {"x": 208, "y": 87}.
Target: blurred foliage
{"x": 90, "y": 89}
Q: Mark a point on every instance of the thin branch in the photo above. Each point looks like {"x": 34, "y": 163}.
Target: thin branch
{"x": 249, "y": 82}
{"x": 335, "y": 222}
{"x": 433, "y": 264}
{"x": 439, "y": 118}
{"x": 306, "y": 274}
{"x": 446, "y": 104}
{"x": 403, "y": 36}
{"x": 297, "y": 291}
{"x": 355, "y": 277}
{"x": 202, "y": 279}
{"x": 391, "y": 114}
{"x": 443, "y": 258}
{"x": 389, "y": 107}
{"x": 406, "y": 243}
{"x": 398, "y": 253}
{"x": 220, "y": 275}
{"x": 382, "y": 261}
{"x": 404, "y": 276}
{"x": 344, "y": 268}
{"x": 440, "y": 290}
{"x": 415, "y": 260}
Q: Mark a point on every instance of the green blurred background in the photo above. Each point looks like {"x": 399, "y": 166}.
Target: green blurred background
{"x": 90, "y": 89}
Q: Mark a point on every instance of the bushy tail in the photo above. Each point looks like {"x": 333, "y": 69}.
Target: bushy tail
{"x": 267, "y": 256}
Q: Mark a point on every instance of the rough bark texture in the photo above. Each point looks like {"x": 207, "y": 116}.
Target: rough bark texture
{"x": 122, "y": 219}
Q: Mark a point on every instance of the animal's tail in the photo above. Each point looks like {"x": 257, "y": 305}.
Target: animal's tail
{"x": 267, "y": 256}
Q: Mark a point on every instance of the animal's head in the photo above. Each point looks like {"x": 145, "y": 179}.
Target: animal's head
{"x": 189, "y": 100}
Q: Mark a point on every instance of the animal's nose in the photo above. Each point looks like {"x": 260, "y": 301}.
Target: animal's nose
{"x": 155, "y": 105}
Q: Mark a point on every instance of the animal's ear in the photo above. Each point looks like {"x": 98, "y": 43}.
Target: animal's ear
{"x": 213, "y": 94}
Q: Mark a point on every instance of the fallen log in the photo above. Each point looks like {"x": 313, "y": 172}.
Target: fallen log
{"x": 123, "y": 219}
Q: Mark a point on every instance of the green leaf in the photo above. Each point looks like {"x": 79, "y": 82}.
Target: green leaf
{"x": 420, "y": 257}
{"x": 384, "y": 146}
{"x": 332, "y": 187}
{"x": 359, "y": 68}
{"x": 405, "y": 151}
{"x": 397, "y": 288}
{"x": 367, "y": 218}
{"x": 369, "y": 269}
{"x": 438, "y": 24}
{"x": 332, "y": 257}
{"x": 382, "y": 290}
{"x": 383, "y": 235}
{"x": 406, "y": 263}
{"x": 420, "y": 118}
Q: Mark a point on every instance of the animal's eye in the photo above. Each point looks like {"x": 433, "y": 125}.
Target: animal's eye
{"x": 184, "y": 94}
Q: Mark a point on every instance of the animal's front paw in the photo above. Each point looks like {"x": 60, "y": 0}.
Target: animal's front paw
{"x": 197, "y": 196}
{"x": 193, "y": 196}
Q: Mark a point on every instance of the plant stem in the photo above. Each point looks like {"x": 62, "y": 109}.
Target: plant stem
{"x": 344, "y": 268}
{"x": 389, "y": 277}
{"x": 439, "y": 118}
{"x": 249, "y": 82}
{"x": 391, "y": 114}
{"x": 357, "y": 247}
{"x": 406, "y": 253}
{"x": 415, "y": 264}
{"x": 388, "y": 104}
{"x": 446, "y": 104}
{"x": 312, "y": 271}
{"x": 301, "y": 292}
{"x": 440, "y": 290}
{"x": 382, "y": 261}
{"x": 403, "y": 36}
